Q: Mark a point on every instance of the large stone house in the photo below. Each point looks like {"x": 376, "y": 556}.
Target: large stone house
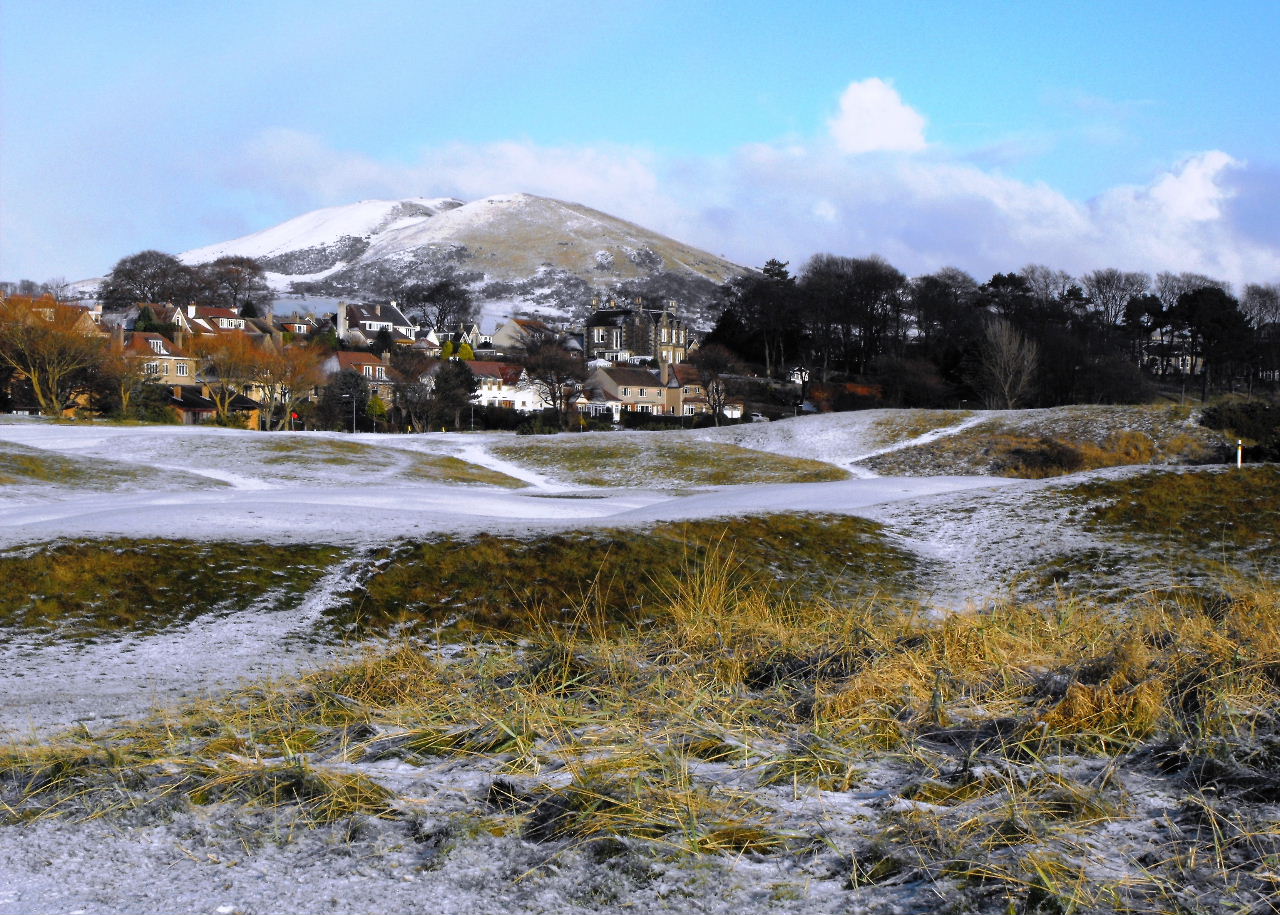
{"x": 626, "y": 334}
{"x": 672, "y": 390}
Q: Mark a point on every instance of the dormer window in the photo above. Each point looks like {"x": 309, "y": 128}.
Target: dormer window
{"x": 157, "y": 346}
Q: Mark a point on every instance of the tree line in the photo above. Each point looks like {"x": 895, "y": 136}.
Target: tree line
{"x": 1035, "y": 337}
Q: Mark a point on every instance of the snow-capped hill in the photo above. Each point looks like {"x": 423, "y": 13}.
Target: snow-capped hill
{"x": 518, "y": 253}
{"x": 321, "y": 228}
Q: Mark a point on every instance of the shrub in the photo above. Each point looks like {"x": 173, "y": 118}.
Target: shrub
{"x": 1045, "y": 458}
{"x": 1256, "y": 421}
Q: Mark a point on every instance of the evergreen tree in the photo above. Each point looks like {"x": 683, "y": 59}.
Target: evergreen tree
{"x": 451, "y": 392}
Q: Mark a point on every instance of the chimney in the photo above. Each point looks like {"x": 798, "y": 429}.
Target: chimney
{"x": 386, "y": 357}
{"x": 343, "y": 327}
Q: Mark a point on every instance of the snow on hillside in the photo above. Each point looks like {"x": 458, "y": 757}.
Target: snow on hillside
{"x": 518, "y": 253}
{"x": 323, "y": 227}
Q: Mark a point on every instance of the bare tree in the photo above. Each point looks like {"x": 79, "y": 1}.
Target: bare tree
{"x": 231, "y": 364}
{"x": 1110, "y": 290}
{"x": 1261, "y": 303}
{"x": 234, "y": 282}
{"x": 1007, "y": 365}
{"x": 127, "y": 373}
{"x": 1172, "y": 286}
{"x": 148, "y": 276}
{"x": 1045, "y": 284}
{"x": 714, "y": 362}
{"x": 58, "y": 287}
{"x": 554, "y": 372}
{"x": 443, "y": 304}
{"x": 287, "y": 378}
{"x": 54, "y": 345}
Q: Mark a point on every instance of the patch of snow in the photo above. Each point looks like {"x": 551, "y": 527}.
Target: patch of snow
{"x": 318, "y": 228}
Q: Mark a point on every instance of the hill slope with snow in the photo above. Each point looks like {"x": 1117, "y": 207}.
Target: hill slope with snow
{"x": 518, "y": 253}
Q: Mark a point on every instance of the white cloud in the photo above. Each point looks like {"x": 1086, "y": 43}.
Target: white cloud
{"x": 920, "y": 211}
{"x": 873, "y": 117}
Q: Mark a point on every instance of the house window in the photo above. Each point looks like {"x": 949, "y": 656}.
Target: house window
{"x": 626, "y": 392}
{"x": 664, "y": 335}
{"x": 689, "y": 409}
{"x": 181, "y": 367}
{"x": 599, "y": 334}
{"x": 152, "y": 368}
{"x": 368, "y": 371}
{"x": 642, "y": 392}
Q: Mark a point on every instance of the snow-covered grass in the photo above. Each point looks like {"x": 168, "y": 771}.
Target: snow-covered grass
{"x": 656, "y": 462}
{"x": 1039, "y": 443}
{"x": 671, "y": 716}
{"x": 740, "y": 753}
{"x": 21, "y": 465}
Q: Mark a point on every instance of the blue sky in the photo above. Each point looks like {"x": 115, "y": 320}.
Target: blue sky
{"x": 984, "y": 135}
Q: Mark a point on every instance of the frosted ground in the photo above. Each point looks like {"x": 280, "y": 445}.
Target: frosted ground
{"x": 362, "y": 491}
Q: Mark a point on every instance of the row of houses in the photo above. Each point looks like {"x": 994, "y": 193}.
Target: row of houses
{"x": 633, "y": 356}
{"x": 608, "y": 391}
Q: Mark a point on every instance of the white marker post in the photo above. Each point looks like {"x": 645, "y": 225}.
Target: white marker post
{"x": 1239, "y": 453}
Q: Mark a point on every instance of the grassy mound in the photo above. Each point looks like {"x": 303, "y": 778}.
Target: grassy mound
{"x": 106, "y": 587}
{"x": 654, "y": 462}
{"x": 1061, "y": 757}
{"x": 86, "y": 589}
{"x": 22, "y": 465}
{"x": 1033, "y": 444}
{"x": 904, "y": 425}
{"x": 1163, "y": 530}
{"x": 1193, "y": 510}
{"x": 511, "y": 583}
{"x": 294, "y": 454}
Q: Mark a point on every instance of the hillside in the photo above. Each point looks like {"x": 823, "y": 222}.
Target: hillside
{"x": 518, "y": 253}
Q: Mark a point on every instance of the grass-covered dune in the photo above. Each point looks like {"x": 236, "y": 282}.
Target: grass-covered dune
{"x": 108, "y": 588}
{"x": 659, "y": 461}
{"x": 1169, "y": 529}
{"x": 91, "y": 588}
{"x": 21, "y": 465}
{"x": 1044, "y": 443}
{"x": 1028, "y": 758}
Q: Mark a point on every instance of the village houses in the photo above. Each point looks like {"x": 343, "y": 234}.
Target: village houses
{"x": 633, "y": 356}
